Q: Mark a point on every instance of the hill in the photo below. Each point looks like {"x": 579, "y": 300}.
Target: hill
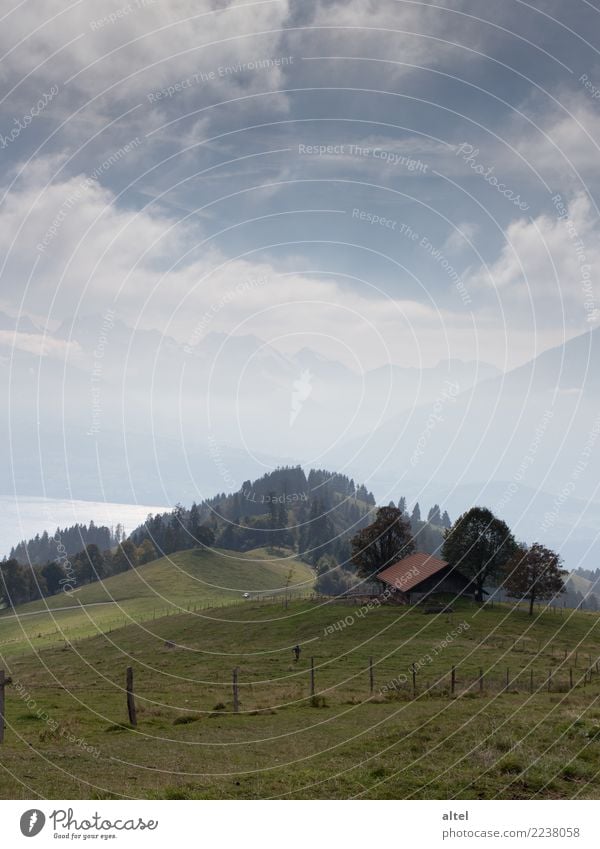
{"x": 197, "y": 578}
{"x": 315, "y": 513}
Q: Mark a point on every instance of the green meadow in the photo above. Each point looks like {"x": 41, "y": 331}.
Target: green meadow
{"x": 533, "y": 734}
{"x": 188, "y": 579}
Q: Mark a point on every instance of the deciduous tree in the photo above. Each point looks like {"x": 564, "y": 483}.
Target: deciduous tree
{"x": 479, "y": 545}
{"x": 382, "y": 543}
{"x": 534, "y": 574}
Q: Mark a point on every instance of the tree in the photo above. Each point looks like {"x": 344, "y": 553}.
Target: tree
{"x": 283, "y": 536}
{"x": 333, "y": 582}
{"x": 479, "y": 545}
{"x": 402, "y": 505}
{"x": 434, "y": 515}
{"x": 416, "y": 513}
{"x": 230, "y": 536}
{"x": 146, "y": 552}
{"x": 14, "y": 583}
{"x": 446, "y": 523}
{"x": 331, "y": 579}
{"x": 382, "y": 543}
{"x": 205, "y": 536}
{"x": 317, "y": 536}
{"x": 53, "y": 574}
{"x": 273, "y": 511}
{"x": 177, "y": 538}
{"x": 125, "y": 557}
{"x": 325, "y": 563}
{"x": 194, "y": 521}
{"x": 89, "y": 564}
{"x": 533, "y": 574}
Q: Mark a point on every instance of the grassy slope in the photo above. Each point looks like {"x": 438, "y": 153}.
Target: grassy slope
{"x": 511, "y": 744}
{"x": 169, "y": 585}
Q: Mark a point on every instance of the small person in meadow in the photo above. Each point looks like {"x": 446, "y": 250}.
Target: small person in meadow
{"x": 297, "y": 651}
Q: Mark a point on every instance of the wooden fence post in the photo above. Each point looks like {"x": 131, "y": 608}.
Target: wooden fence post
{"x": 507, "y": 678}
{"x": 371, "y": 678}
{"x": 531, "y": 680}
{"x": 549, "y": 679}
{"x": 453, "y": 680}
{"x": 570, "y": 678}
{"x": 480, "y": 680}
{"x": 312, "y": 676}
{"x": 131, "y": 698}
{"x": 2, "y": 703}
{"x": 236, "y": 694}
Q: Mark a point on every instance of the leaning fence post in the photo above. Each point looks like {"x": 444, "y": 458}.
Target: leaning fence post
{"x": 2, "y": 683}
{"x": 507, "y": 678}
{"x": 312, "y": 676}
{"x": 371, "y": 678}
{"x": 570, "y": 678}
{"x": 453, "y": 680}
{"x": 131, "y": 698}
{"x": 480, "y": 680}
{"x": 236, "y": 699}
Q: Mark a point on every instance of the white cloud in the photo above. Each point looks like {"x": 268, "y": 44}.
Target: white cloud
{"x": 566, "y": 147}
{"x": 38, "y": 344}
{"x": 549, "y": 260}
{"x": 97, "y": 254}
{"x": 148, "y": 45}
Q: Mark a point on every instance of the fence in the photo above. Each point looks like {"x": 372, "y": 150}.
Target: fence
{"x": 453, "y": 684}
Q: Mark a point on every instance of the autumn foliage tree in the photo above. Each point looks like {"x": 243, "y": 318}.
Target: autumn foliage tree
{"x": 382, "y": 543}
{"x": 479, "y": 545}
{"x": 534, "y": 574}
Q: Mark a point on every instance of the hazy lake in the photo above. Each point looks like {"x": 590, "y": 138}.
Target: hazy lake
{"x": 24, "y": 517}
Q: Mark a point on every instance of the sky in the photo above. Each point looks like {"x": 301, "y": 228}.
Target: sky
{"x": 392, "y": 181}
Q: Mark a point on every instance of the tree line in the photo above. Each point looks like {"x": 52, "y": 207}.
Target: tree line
{"x": 42, "y": 548}
{"x": 20, "y": 583}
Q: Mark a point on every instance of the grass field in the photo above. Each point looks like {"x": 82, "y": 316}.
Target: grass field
{"x": 68, "y": 737}
{"x": 188, "y": 579}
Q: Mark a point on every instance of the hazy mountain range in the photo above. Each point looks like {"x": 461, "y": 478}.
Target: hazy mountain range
{"x": 112, "y": 413}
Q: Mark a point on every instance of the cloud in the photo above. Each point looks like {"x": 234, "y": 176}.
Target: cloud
{"x": 155, "y": 271}
{"x": 146, "y": 45}
{"x": 565, "y": 149}
{"x": 414, "y": 31}
{"x": 40, "y": 345}
{"x": 549, "y": 262}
